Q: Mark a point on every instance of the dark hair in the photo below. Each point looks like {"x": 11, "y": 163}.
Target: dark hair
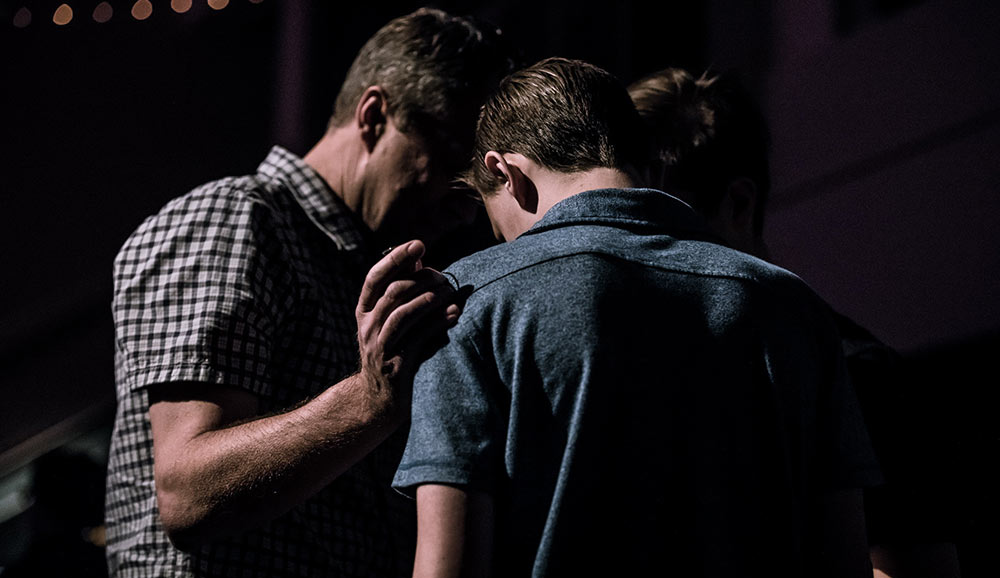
{"x": 707, "y": 132}
{"x": 435, "y": 69}
{"x": 565, "y": 115}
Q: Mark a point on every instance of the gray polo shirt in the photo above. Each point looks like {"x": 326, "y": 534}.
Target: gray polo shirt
{"x": 637, "y": 398}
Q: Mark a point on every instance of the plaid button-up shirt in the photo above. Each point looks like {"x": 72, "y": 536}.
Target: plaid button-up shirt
{"x": 248, "y": 282}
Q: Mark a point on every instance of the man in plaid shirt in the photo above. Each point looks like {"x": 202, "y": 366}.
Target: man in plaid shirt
{"x": 247, "y": 440}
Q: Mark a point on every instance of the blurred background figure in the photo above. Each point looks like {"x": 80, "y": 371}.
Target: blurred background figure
{"x": 52, "y": 512}
{"x": 710, "y": 148}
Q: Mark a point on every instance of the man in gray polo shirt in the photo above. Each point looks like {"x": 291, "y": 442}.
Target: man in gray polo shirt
{"x": 622, "y": 395}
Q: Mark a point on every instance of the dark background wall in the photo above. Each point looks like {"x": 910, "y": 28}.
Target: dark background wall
{"x": 886, "y": 196}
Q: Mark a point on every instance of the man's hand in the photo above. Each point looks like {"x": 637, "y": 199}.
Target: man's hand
{"x": 402, "y": 307}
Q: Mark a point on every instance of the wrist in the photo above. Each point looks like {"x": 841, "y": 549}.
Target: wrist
{"x": 381, "y": 398}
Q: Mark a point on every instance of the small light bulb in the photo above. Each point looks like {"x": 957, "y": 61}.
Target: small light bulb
{"x": 142, "y": 9}
{"x": 103, "y": 12}
{"x": 63, "y": 15}
{"x": 22, "y": 18}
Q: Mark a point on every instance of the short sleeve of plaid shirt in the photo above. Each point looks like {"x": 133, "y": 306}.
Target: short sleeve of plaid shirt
{"x": 197, "y": 291}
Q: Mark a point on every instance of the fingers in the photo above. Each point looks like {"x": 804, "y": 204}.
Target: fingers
{"x": 425, "y": 316}
{"x": 405, "y": 288}
{"x": 422, "y": 339}
{"x": 403, "y": 306}
{"x": 410, "y": 324}
{"x": 400, "y": 262}
{"x": 405, "y": 301}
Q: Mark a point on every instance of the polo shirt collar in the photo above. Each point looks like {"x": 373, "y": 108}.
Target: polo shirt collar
{"x": 647, "y": 208}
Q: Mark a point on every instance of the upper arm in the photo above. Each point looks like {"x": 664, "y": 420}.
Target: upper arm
{"x": 454, "y": 532}
{"x": 200, "y": 292}
{"x": 458, "y": 421}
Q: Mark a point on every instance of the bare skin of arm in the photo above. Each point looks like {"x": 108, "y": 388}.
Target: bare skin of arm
{"x": 454, "y": 532}
{"x": 220, "y": 468}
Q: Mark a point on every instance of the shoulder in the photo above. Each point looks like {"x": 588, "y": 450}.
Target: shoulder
{"x": 480, "y": 267}
{"x": 225, "y": 198}
{"x": 216, "y": 208}
{"x": 755, "y": 275}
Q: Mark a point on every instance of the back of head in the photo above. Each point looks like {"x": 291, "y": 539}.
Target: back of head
{"x": 435, "y": 68}
{"x": 707, "y": 132}
{"x": 566, "y": 115}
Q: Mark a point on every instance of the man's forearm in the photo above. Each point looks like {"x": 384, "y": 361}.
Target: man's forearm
{"x": 215, "y": 479}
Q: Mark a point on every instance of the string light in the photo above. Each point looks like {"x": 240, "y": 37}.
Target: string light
{"x": 104, "y": 11}
{"x": 63, "y": 15}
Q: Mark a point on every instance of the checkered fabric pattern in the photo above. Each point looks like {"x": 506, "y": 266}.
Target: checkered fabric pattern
{"x": 248, "y": 282}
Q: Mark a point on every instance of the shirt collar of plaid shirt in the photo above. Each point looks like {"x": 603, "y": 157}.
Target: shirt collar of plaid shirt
{"x": 323, "y": 207}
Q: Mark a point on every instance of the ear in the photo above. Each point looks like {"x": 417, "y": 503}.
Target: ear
{"x": 497, "y": 166}
{"x": 370, "y": 116}
{"x": 514, "y": 182}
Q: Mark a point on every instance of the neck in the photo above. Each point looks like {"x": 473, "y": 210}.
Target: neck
{"x": 554, "y": 187}
{"x": 332, "y": 159}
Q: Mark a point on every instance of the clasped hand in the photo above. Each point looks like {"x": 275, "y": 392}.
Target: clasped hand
{"x": 403, "y": 310}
